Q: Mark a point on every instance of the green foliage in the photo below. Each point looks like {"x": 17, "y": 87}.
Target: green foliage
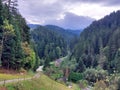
{"x": 68, "y": 63}
{"x": 69, "y": 36}
{"x": 13, "y": 33}
{"x": 80, "y": 66}
{"x": 7, "y": 28}
{"x": 58, "y": 52}
{"x": 117, "y": 60}
{"x": 49, "y": 44}
{"x": 7, "y": 45}
{"x": 29, "y": 56}
{"x": 99, "y": 43}
{"x": 100, "y": 85}
{"x": 93, "y": 75}
{"x": 75, "y": 77}
{"x": 54, "y": 72}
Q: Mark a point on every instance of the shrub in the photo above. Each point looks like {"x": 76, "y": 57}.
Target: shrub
{"x": 100, "y": 85}
{"x": 22, "y": 70}
{"x": 74, "y": 77}
{"x": 92, "y": 75}
{"x": 83, "y": 83}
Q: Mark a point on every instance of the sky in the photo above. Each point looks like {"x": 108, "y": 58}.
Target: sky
{"x": 69, "y": 14}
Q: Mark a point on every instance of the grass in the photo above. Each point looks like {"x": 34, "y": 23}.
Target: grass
{"x": 8, "y": 74}
{"x": 42, "y": 83}
{"x": 76, "y": 87}
{"x": 4, "y": 76}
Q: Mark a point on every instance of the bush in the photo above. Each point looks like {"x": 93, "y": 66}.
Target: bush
{"x": 22, "y": 70}
{"x": 100, "y": 85}
{"x": 83, "y": 83}
{"x": 92, "y": 75}
{"x": 74, "y": 77}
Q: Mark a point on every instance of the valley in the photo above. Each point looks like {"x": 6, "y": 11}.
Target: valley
{"x": 44, "y": 56}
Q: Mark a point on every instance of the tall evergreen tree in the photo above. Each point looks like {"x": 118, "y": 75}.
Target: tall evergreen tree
{"x": 117, "y": 60}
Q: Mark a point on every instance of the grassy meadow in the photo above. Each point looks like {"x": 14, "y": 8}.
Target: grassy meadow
{"x": 42, "y": 83}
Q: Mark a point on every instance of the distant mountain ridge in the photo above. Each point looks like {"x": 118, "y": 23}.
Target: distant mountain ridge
{"x": 33, "y": 26}
{"x": 67, "y": 34}
{"x": 62, "y": 30}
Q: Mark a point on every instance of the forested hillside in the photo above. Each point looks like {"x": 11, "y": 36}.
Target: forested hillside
{"x": 91, "y": 60}
{"x": 49, "y": 44}
{"x": 99, "y": 44}
{"x": 70, "y": 36}
{"x": 15, "y": 48}
{"x": 67, "y": 34}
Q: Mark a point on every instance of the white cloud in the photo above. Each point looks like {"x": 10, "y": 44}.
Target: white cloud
{"x": 96, "y": 11}
{"x": 44, "y": 11}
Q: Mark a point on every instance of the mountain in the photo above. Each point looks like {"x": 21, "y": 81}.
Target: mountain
{"x": 68, "y": 34}
{"x": 33, "y": 26}
{"x": 56, "y": 38}
{"x": 99, "y": 44}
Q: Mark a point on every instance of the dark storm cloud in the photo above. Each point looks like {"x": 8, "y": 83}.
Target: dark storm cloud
{"x": 72, "y": 21}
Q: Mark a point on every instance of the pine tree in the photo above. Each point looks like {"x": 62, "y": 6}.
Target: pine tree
{"x": 7, "y": 43}
{"x": 80, "y": 67}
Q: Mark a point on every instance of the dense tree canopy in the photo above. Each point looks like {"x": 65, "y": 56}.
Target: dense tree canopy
{"x": 49, "y": 44}
{"x": 99, "y": 43}
{"x": 15, "y": 48}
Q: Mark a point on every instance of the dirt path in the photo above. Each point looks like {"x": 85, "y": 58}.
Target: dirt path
{"x": 88, "y": 88}
{"x": 37, "y": 75}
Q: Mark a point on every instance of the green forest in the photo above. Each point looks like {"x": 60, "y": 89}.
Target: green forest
{"x": 16, "y": 50}
{"x": 99, "y": 44}
{"x": 89, "y": 58}
{"x": 49, "y": 45}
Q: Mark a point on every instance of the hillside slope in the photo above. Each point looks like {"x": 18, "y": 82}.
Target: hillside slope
{"x": 49, "y": 44}
{"x": 67, "y": 34}
{"x": 99, "y": 44}
{"x": 43, "y": 83}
